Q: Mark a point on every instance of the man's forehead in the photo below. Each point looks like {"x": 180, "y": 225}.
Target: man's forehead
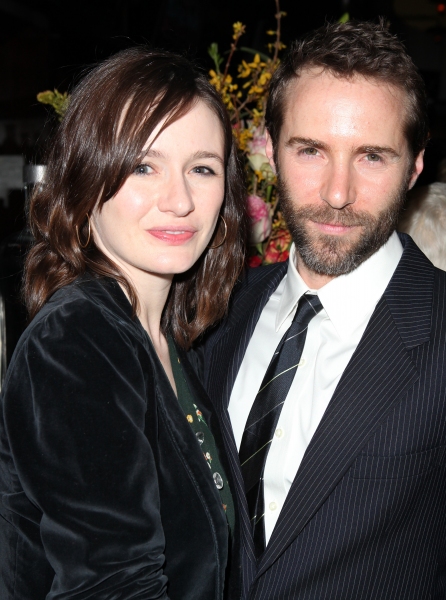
{"x": 323, "y": 77}
{"x": 354, "y": 114}
{"x": 320, "y": 100}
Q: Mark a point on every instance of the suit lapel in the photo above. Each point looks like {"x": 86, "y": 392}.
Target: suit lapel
{"x": 233, "y": 337}
{"x": 229, "y": 348}
{"x": 378, "y": 374}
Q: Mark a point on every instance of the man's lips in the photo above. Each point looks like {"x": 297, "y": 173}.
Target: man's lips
{"x": 172, "y": 235}
{"x": 334, "y": 228}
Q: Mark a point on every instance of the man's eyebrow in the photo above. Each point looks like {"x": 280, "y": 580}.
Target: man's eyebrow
{"x": 296, "y": 140}
{"x": 378, "y": 150}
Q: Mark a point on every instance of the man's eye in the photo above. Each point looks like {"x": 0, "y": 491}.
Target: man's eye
{"x": 143, "y": 170}
{"x": 310, "y": 151}
{"x": 373, "y": 157}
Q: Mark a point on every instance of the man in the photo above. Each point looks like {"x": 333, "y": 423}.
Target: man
{"x": 347, "y": 500}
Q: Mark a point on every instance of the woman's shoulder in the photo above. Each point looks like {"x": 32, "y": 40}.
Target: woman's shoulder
{"x": 85, "y": 328}
{"x": 89, "y": 307}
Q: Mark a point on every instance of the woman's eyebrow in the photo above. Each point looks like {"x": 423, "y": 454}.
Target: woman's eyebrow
{"x": 205, "y": 154}
{"x": 152, "y": 153}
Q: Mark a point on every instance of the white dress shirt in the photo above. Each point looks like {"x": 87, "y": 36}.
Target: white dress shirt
{"x": 333, "y": 335}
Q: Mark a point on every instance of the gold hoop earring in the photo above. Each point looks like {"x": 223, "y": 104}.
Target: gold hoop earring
{"x": 224, "y": 237}
{"x": 89, "y": 233}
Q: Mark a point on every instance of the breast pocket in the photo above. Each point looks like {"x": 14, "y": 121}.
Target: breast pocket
{"x": 369, "y": 466}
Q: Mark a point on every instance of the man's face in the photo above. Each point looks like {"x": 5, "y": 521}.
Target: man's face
{"x": 344, "y": 167}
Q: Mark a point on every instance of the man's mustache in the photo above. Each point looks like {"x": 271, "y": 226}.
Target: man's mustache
{"x": 346, "y": 217}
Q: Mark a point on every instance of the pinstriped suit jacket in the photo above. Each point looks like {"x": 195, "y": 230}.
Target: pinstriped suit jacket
{"x": 365, "y": 518}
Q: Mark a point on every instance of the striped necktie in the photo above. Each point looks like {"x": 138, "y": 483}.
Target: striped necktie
{"x": 265, "y": 412}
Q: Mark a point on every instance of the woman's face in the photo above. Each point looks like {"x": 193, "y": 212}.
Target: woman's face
{"x": 163, "y": 217}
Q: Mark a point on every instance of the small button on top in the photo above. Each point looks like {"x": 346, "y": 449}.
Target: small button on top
{"x": 302, "y": 362}
{"x": 272, "y": 506}
{"x": 279, "y": 432}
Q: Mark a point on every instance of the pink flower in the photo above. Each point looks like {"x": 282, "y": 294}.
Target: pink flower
{"x": 258, "y": 142}
{"x": 260, "y": 218}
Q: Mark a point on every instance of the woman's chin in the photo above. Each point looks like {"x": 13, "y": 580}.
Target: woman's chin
{"x": 168, "y": 265}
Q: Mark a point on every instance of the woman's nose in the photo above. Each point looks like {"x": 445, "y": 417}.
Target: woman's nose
{"x": 176, "y": 196}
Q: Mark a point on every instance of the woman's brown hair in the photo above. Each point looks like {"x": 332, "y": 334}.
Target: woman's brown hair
{"x": 111, "y": 114}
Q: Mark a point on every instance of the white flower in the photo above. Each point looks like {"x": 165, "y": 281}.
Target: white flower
{"x": 257, "y": 153}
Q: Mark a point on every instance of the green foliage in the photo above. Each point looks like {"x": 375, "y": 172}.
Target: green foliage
{"x": 214, "y": 54}
{"x": 55, "y": 99}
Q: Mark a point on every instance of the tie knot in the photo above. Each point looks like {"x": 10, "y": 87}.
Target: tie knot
{"x": 309, "y": 306}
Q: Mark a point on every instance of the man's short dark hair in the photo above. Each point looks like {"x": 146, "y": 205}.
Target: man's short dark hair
{"x": 346, "y": 50}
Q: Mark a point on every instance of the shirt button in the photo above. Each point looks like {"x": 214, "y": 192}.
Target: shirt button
{"x": 279, "y": 432}
{"x": 218, "y": 481}
{"x": 272, "y": 506}
{"x": 302, "y": 362}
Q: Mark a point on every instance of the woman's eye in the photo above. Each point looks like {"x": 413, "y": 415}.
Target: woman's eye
{"x": 143, "y": 170}
{"x": 203, "y": 170}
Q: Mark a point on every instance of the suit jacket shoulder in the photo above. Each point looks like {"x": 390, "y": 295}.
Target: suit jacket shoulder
{"x": 248, "y": 299}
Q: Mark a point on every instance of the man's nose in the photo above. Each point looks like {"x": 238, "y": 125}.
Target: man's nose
{"x": 176, "y": 195}
{"x": 338, "y": 186}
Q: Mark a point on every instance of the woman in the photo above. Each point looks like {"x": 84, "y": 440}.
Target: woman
{"x": 110, "y": 481}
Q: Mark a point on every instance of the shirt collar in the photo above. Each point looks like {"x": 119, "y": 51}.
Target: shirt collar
{"x": 349, "y": 299}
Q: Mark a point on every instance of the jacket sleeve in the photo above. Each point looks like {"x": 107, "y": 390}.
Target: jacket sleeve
{"x": 75, "y": 407}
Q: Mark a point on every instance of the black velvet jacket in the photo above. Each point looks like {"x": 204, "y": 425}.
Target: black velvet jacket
{"x": 104, "y": 492}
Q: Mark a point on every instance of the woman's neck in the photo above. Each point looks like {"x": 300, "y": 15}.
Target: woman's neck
{"x": 152, "y": 292}
{"x": 152, "y": 298}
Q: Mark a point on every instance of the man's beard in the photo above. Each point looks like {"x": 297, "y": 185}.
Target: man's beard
{"x": 332, "y": 255}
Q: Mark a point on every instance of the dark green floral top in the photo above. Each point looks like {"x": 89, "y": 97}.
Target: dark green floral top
{"x": 203, "y": 434}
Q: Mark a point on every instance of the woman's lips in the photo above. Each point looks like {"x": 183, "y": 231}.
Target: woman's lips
{"x": 173, "y": 235}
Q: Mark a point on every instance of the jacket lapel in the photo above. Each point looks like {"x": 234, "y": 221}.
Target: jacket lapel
{"x": 233, "y": 337}
{"x": 229, "y": 347}
{"x": 378, "y": 374}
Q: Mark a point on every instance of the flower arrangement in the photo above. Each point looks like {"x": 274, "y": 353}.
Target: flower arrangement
{"x": 245, "y": 94}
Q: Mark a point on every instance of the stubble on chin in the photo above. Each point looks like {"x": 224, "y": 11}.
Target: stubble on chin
{"x": 335, "y": 255}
